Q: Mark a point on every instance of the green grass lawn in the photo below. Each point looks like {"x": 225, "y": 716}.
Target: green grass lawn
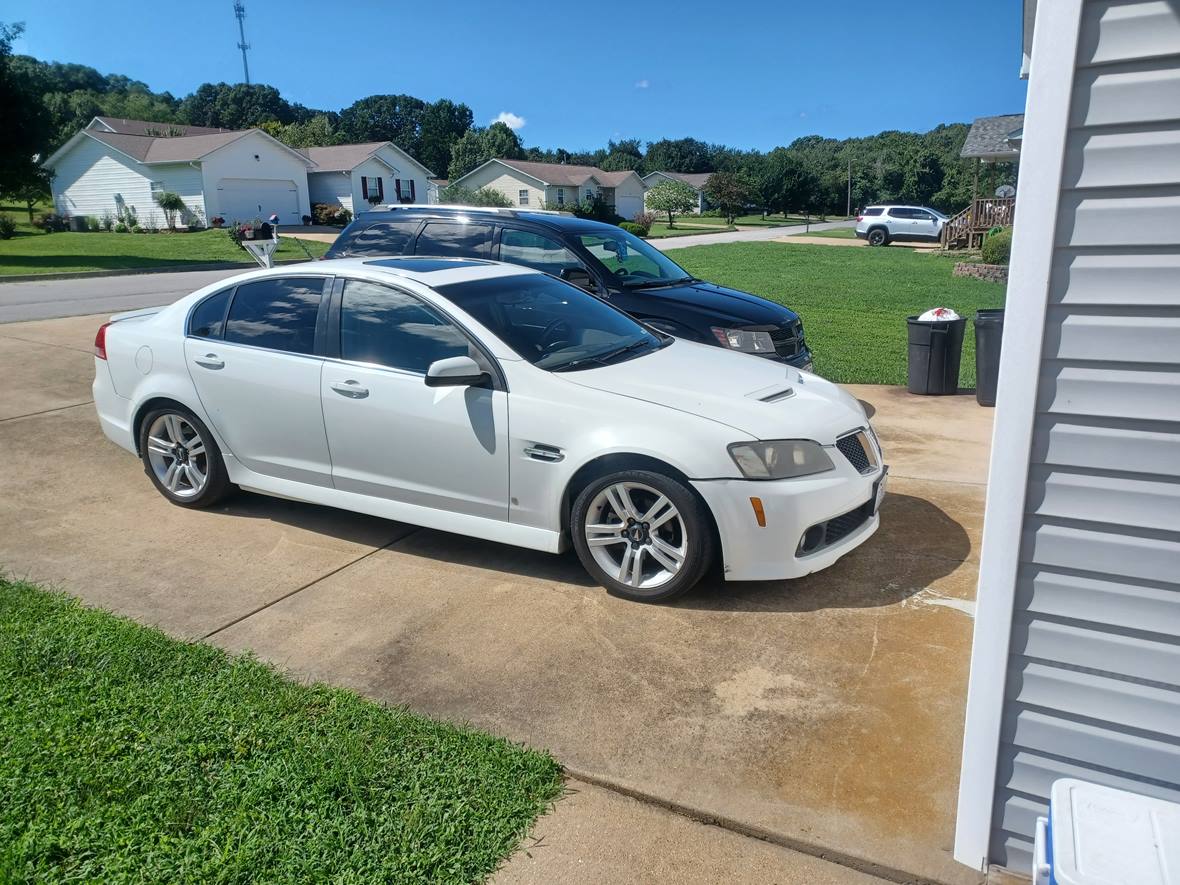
{"x": 853, "y": 301}
{"x": 132, "y": 757}
{"x": 684, "y": 227}
{"x": 839, "y": 233}
{"x": 30, "y": 251}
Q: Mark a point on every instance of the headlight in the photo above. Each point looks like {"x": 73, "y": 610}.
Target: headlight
{"x": 780, "y": 458}
{"x": 744, "y": 340}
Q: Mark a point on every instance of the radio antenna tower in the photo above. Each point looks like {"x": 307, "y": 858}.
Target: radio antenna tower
{"x": 240, "y": 14}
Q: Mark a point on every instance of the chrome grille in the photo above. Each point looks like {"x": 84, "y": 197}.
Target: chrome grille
{"x": 859, "y": 451}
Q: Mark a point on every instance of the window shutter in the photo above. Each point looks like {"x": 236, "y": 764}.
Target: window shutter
{"x": 380, "y": 189}
{"x": 397, "y": 186}
{"x": 364, "y": 188}
{"x": 413, "y": 196}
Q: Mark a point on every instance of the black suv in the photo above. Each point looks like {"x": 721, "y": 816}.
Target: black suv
{"x": 603, "y": 259}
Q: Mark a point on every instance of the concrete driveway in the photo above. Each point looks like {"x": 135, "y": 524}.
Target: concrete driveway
{"x": 824, "y": 713}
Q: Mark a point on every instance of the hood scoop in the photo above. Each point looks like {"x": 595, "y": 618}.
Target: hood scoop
{"x": 774, "y": 394}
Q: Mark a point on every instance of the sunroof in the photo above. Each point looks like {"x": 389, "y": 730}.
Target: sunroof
{"x": 426, "y": 265}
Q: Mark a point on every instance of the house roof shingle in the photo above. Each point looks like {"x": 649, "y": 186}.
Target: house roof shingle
{"x": 341, "y": 157}
{"x": 178, "y": 149}
{"x": 696, "y": 180}
{"x": 554, "y": 173}
{"x": 988, "y": 138}
{"x": 151, "y": 130}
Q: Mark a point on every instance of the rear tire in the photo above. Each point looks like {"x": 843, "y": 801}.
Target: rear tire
{"x": 181, "y": 458}
{"x": 878, "y": 237}
{"x": 643, "y": 535}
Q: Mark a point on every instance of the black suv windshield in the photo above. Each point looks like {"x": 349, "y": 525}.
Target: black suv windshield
{"x": 552, "y": 324}
{"x": 635, "y": 263}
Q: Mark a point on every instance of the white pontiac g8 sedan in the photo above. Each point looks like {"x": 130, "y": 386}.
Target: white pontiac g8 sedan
{"x": 498, "y": 402}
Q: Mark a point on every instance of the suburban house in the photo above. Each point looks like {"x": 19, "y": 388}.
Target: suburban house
{"x": 990, "y": 140}
{"x": 239, "y": 175}
{"x": 434, "y": 188}
{"x": 357, "y": 175}
{"x": 1075, "y": 667}
{"x": 695, "y": 180}
{"x": 557, "y": 184}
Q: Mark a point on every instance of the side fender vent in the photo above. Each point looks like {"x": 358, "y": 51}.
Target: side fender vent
{"x": 543, "y": 452}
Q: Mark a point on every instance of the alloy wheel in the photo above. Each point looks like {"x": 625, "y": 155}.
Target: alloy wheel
{"x": 178, "y": 455}
{"x": 636, "y": 535}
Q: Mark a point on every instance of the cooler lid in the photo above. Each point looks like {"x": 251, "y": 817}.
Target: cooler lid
{"x": 1104, "y": 836}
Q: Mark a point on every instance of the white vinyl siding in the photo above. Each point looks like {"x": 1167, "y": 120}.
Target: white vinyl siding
{"x": 332, "y": 188}
{"x": 509, "y": 183}
{"x": 236, "y": 162}
{"x": 92, "y": 179}
{"x": 1093, "y": 687}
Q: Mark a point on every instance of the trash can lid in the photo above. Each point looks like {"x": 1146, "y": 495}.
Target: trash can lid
{"x": 938, "y": 315}
{"x": 1103, "y": 835}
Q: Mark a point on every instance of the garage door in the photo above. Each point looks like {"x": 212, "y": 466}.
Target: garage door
{"x": 244, "y": 199}
{"x": 628, "y": 206}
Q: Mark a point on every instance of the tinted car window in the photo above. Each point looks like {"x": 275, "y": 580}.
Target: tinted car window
{"x": 901, "y": 213}
{"x": 875, "y": 210}
{"x": 279, "y": 314}
{"x": 536, "y": 250}
{"x": 385, "y": 238}
{"x": 551, "y": 324}
{"x": 208, "y": 318}
{"x": 449, "y": 238}
{"x": 389, "y": 328}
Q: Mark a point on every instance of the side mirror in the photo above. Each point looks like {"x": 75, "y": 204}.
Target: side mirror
{"x": 580, "y": 277}
{"x": 456, "y": 371}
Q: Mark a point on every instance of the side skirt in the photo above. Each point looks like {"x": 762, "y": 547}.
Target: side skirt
{"x": 414, "y": 514}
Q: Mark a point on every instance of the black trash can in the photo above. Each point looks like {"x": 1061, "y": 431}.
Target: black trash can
{"x": 935, "y": 351}
{"x": 989, "y": 332}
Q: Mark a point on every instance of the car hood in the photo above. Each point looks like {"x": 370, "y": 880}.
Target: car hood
{"x": 740, "y": 307}
{"x": 761, "y": 398}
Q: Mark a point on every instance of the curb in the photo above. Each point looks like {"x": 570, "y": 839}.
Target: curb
{"x": 140, "y": 271}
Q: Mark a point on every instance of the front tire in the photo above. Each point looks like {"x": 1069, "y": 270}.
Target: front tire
{"x": 878, "y": 237}
{"x": 643, "y": 535}
{"x": 181, "y": 458}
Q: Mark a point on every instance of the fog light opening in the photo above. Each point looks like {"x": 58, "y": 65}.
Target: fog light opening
{"x": 812, "y": 539}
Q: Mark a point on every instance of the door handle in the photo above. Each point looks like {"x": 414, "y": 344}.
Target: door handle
{"x": 210, "y": 361}
{"x": 350, "y": 389}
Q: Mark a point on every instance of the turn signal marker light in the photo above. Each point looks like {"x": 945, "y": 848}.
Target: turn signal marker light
{"x": 759, "y": 513}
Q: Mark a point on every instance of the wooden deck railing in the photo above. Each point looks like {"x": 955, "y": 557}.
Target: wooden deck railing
{"x": 967, "y": 229}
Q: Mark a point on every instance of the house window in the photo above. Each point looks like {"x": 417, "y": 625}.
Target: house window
{"x": 157, "y": 187}
{"x": 404, "y": 188}
{"x": 522, "y": 198}
{"x": 561, "y": 196}
{"x": 372, "y": 189}
{"x": 589, "y": 194}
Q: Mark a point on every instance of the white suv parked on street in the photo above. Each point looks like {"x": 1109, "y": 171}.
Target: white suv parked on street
{"x": 881, "y": 225}
{"x": 494, "y": 401}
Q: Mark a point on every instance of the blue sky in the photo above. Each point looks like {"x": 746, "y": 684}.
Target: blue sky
{"x": 744, "y": 73}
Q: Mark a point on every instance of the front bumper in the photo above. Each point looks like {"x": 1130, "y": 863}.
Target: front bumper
{"x": 770, "y": 553}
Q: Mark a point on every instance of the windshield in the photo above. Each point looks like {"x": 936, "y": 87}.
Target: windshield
{"x": 634, "y": 262}
{"x": 552, "y": 324}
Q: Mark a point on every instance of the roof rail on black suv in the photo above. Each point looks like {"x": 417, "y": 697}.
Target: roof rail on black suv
{"x": 604, "y": 259}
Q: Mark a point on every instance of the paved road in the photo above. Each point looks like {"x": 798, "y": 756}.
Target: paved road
{"x": 49, "y": 299}
{"x": 742, "y": 236}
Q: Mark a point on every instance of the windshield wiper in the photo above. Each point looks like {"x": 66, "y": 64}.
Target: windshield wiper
{"x": 651, "y": 284}
{"x": 602, "y": 358}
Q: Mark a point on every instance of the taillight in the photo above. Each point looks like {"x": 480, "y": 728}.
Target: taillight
{"x": 100, "y": 342}
{"x": 860, "y": 218}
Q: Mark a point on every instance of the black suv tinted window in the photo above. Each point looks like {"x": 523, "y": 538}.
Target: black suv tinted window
{"x": 390, "y": 328}
{"x": 536, "y": 251}
{"x": 874, "y": 210}
{"x": 899, "y": 212}
{"x": 279, "y": 314}
{"x": 383, "y": 238}
{"x": 452, "y": 238}
{"x": 208, "y": 318}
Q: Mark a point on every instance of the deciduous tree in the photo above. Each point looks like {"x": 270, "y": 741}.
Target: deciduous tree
{"x": 673, "y": 197}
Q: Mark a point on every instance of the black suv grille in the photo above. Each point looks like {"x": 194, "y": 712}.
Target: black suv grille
{"x": 788, "y": 339}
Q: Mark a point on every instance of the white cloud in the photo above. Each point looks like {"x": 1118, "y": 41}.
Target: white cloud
{"x": 509, "y": 119}
{"x": 642, "y": 84}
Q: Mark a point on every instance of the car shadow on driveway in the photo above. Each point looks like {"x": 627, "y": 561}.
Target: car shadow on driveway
{"x": 917, "y": 544}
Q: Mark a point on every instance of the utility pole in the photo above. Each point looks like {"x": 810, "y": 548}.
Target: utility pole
{"x": 848, "y": 211}
{"x": 240, "y": 14}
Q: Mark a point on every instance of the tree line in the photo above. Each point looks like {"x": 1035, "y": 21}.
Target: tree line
{"x": 50, "y": 101}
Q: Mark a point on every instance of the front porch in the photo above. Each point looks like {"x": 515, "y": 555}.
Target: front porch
{"x": 990, "y": 140}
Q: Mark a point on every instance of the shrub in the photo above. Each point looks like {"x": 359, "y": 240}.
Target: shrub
{"x": 121, "y": 228}
{"x": 344, "y": 216}
{"x": 107, "y": 221}
{"x": 464, "y": 196}
{"x": 7, "y": 227}
{"x": 644, "y": 219}
{"x": 997, "y": 247}
{"x": 93, "y": 223}
{"x": 306, "y": 220}
{"x": 51, "y": 222}
{"x": 172, "y": 204}
{"x": 632, "y": 228}
{"x": 328, "y": 213}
